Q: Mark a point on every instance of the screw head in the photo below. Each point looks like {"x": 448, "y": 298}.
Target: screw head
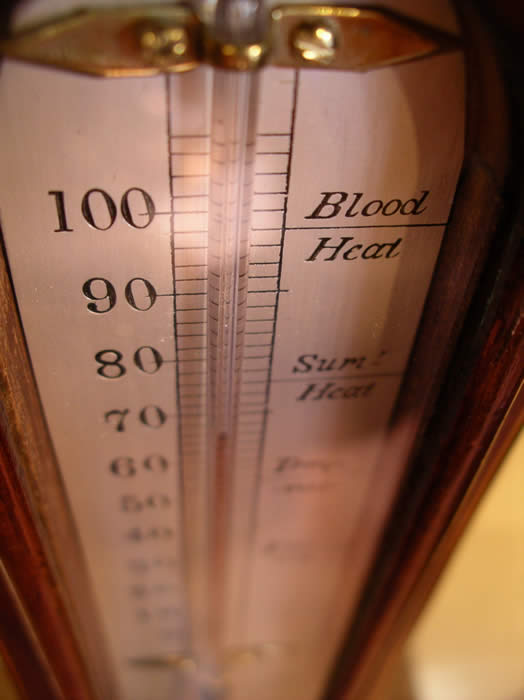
{"x": 164, "y": 46}
{"x": 315, "y": 43}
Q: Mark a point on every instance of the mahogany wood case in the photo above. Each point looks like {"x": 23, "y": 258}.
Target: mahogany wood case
{"x": 467, "y": 359}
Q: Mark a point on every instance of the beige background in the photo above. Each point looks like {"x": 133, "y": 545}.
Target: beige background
{"x": 469, "y": 642}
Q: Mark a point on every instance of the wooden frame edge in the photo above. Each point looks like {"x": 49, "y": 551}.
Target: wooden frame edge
{"x": 450, "y": 467}
{"x": 36, "y": 525}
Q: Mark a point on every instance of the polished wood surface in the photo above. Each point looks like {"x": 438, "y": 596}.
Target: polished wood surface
{"x": 35, "y": 525}
{"x": 36, "y": 640}
{"x": 451, "y": 470}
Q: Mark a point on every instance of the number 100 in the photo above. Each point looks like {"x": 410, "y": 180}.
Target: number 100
{"x": 100, "y": 211}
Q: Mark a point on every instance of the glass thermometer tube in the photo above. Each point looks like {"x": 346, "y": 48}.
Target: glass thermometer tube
{"x": 233, "y": 128}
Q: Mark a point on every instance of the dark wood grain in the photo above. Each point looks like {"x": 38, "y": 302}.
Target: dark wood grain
{"x": 464, "y": 468}
{"x": 31, "y": 649}
{"x": 27, "y": 669}
{"x": 43, "y": 638}
{"x": 449, "y": 471}
{"x": 38, "y": 541}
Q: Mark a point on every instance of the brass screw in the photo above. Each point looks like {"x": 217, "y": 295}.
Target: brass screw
{"x": 164, "y": 46}
{"x": 315, "y": 43}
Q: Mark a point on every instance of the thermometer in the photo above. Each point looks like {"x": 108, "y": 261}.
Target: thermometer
{"x": 221, "y": 228}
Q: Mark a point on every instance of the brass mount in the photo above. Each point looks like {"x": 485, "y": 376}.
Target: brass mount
{"x": 171, "y": 38}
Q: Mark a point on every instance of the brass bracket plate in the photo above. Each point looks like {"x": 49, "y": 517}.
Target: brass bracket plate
{"x": 151, "y": 39}
{"x": 114, "y": 42}
{"x": 361, "y": 39}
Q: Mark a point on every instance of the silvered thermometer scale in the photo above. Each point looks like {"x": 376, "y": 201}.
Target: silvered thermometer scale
{"x": 220, "y": 265}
